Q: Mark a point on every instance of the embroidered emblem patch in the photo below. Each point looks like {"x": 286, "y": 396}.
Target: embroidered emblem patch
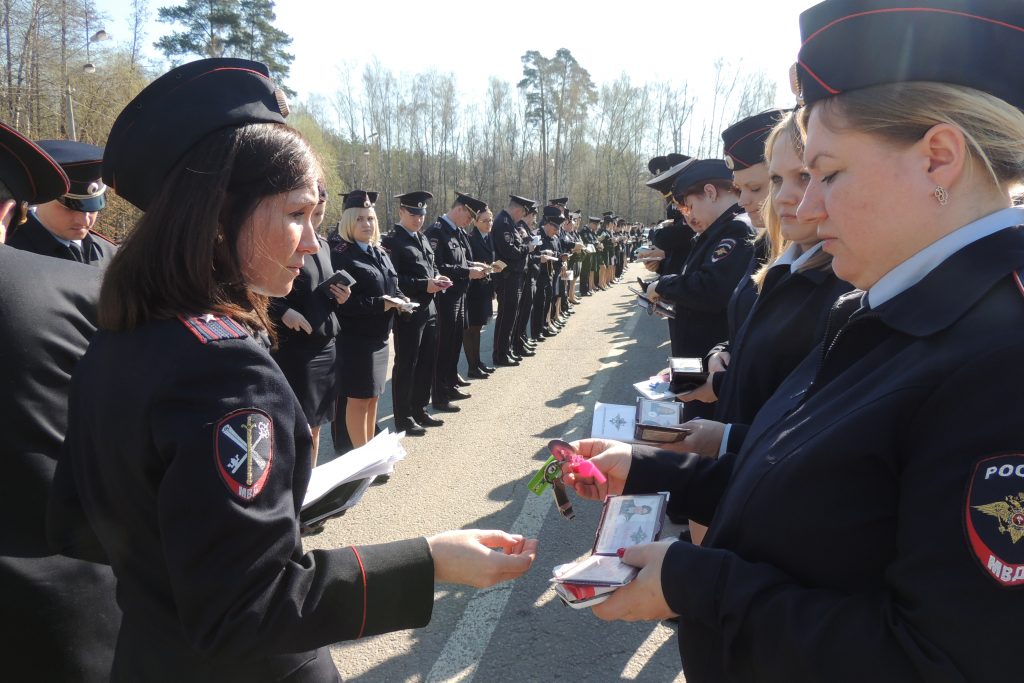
{"x": 508, "y": 237}
{"x": 433, "y": 243}
{"x": 723, "y": 249}
{"x": 994, "y": 517}
{"x": 244, "y": 451}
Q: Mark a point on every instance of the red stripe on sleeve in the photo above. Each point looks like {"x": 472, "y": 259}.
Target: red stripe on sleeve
{"x": 362, "y": 569}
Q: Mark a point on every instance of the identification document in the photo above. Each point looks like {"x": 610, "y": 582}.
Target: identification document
{"x": 625, "y": 521}
{"x": 655, "y": 389}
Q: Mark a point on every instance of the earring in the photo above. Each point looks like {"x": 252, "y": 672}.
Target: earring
{"x": 941, "y": 196}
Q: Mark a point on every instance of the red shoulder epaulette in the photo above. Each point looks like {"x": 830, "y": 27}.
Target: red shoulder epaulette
{"x": 208, "y": 328}
{"x": 102, "y": 237}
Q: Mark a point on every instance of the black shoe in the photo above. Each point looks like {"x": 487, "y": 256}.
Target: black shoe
{"x": 543, "y": 336}
{"x": 381, "y": 479}
{"x": 515, "y": 357}
{"x": 525, "y": 353}
{"x": 459, "y": 382}
{"x": 477, "y": 374}
{"x": 410, "y": 427}
{"x": 446, "y": 408}
{"x": 456, "y": 395}
{"x": 506, "y": 362}
{"x": 486, "y": 369}
{"x": 425, "y": 420}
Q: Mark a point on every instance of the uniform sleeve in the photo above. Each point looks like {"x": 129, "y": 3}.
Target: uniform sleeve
{"x": 407, "y": 282}
{"x": 239, "y": 580}
{"x": 505, "y": 247}
{"x": 443, "y": 256}
{"x": 708, "y": 285}
{"x": 695, "y": 483}
{"x": 939, "y": 614}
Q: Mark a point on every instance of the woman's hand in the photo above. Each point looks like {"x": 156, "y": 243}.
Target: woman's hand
{"x": 613, "y": 458}
{"x": 432, "y": 286}
{"x": 705, "y": 438}
{"x": 480, "y": 558}
{"x": 652, "y": 291}
{"x": 652, "y": 266}
{"x": 294, "y": 320}
{"x": 341, "y": 293}
{"x": 642, "y": 599}
{"x": 719, "y": 361}
{"x": 388, "y": 305}
{"x": 705, "y": 392}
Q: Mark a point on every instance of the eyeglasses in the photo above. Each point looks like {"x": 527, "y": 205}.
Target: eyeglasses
{"x": 486, "y": 220}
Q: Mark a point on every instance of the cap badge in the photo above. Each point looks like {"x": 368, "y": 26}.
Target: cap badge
{"x": 282, "y": 102}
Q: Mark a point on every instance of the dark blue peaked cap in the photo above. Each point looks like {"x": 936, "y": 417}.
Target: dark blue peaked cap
{"x": 853, "y": 44}
{"x": 176, "y": 111}
{"x": 27, "y": 171}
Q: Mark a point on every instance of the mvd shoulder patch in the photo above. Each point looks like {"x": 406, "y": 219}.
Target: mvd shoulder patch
{"x": 244, "y": 451}
{"x": 433, "y": 242}
{"x": 994, "y": 517}
{"x": 723, "y": 249}
{"x": 208, "y": 328}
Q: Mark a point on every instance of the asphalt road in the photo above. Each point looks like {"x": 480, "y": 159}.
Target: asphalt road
{"x": 472, "y": 473}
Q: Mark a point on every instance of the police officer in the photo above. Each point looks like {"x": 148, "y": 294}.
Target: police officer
{"x": 62, "y": 227}
{"x": 193, "y": 470}
{"x": 674, "y": 237}
{"x": 522, "y": 345}
{"x": 452, "y": 256}
{"x": 510, "y": 248}
{"x": 588, "y": 264}
{"x": 415, "y": 334}
{"x": 480, "y": 296}
{"x": 720, "y": 256}
{"x": 550, "y": 264}
{"x": 903, "y": 406}
{"x": 61, "y": 614}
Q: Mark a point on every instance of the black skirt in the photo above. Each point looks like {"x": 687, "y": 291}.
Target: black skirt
{"x": 362, "y": 366}
{"x": 309, "y": 365}
{"x": 479, "y": 306}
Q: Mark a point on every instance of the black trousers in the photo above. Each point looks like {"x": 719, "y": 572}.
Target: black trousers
{"x": 451, "y": 321}
{"x": 523, "y": 312}
{"x": 586, "y": 268}
{"x": 415, "y": 357}
{"x": 542, "y": 300}
{"x": 509, "y": 288}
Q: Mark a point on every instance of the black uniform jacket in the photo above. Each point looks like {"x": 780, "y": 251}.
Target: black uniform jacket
{"x": 451, "y": 251}
{"x": 719, "y": 258}
{"x": 60, "y": 614}
{"x": 317, "y": 307}
{"x": 191, "y": 470}
{"x": 414, "y": 260}
{"x": 479, "y": 296}
{"x": 363, "y": 314}
{"x": 676, "y": 240}
{"x": 97, "y": 250}
{"x": 867, "y": 530}
{"x": 745, "y": 294}
{"x": 787, "y": 321}
{"x": 508, "y": 243}
{"x": 550, "y": 269}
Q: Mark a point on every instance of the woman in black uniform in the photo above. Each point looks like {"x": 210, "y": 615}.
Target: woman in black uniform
{"x": 794, "y": 294}
{"x": 868, "y": 529}
{"x": 366, "y": 318}
{"x": 188, "y": 473}
{"x": 479, "y": 296}
{"x": 306, "y": 328}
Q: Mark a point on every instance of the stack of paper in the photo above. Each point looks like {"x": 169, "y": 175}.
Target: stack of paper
{"x": 339, "y": 484}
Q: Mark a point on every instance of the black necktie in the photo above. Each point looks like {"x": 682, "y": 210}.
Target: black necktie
{"x": 76, "y": 251}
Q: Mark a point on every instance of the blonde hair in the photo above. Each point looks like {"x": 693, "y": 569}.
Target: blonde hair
{"x": 347, "y": 224}
{"x": 790, "y": 126}
{"x": 904, "y": 112}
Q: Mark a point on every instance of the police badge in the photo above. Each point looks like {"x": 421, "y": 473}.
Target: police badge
{"x": 994, "y": 517}
{"x": 244, "y": 451}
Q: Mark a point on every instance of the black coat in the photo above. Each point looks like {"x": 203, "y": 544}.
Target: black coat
{"x": 480, "y": 295}
{"x": 701, "y": 293}
{"x": 508, "y": 243}
{"x": 363, "y": 314}
{"x": 745, "y": 294}
{"x": 97, "y": 250}
{"x": 867, "y": 529}
{"x": 787, "y": 321}
{"x": 676, "y": 240}
{"x": 451, "y": 253}
{"x": 60, "y": 614}
{"x": 414, "y": 261}
{"x": 317, "y": 307}
{"x": 192, "y": 470}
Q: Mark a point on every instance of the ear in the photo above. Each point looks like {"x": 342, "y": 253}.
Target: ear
{"x": 711, "y": 192}
{"x": 944, "y": 149}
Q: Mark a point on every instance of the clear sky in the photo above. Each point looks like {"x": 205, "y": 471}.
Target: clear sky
{"x": 650, "y": 41}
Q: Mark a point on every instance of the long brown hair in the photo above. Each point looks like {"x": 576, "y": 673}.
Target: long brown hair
{"x": 182, "y": 256}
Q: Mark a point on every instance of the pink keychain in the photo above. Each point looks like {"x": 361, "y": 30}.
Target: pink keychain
{"x": 573, "y": 462}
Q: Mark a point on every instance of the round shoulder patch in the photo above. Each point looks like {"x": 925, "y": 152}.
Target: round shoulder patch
{"x": 723, "y": 249}
{"x": 994, "y": 517}
{"x": 243, "y": 448}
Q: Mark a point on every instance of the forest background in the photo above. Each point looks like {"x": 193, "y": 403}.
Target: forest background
{"x": 554, "y": 132}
